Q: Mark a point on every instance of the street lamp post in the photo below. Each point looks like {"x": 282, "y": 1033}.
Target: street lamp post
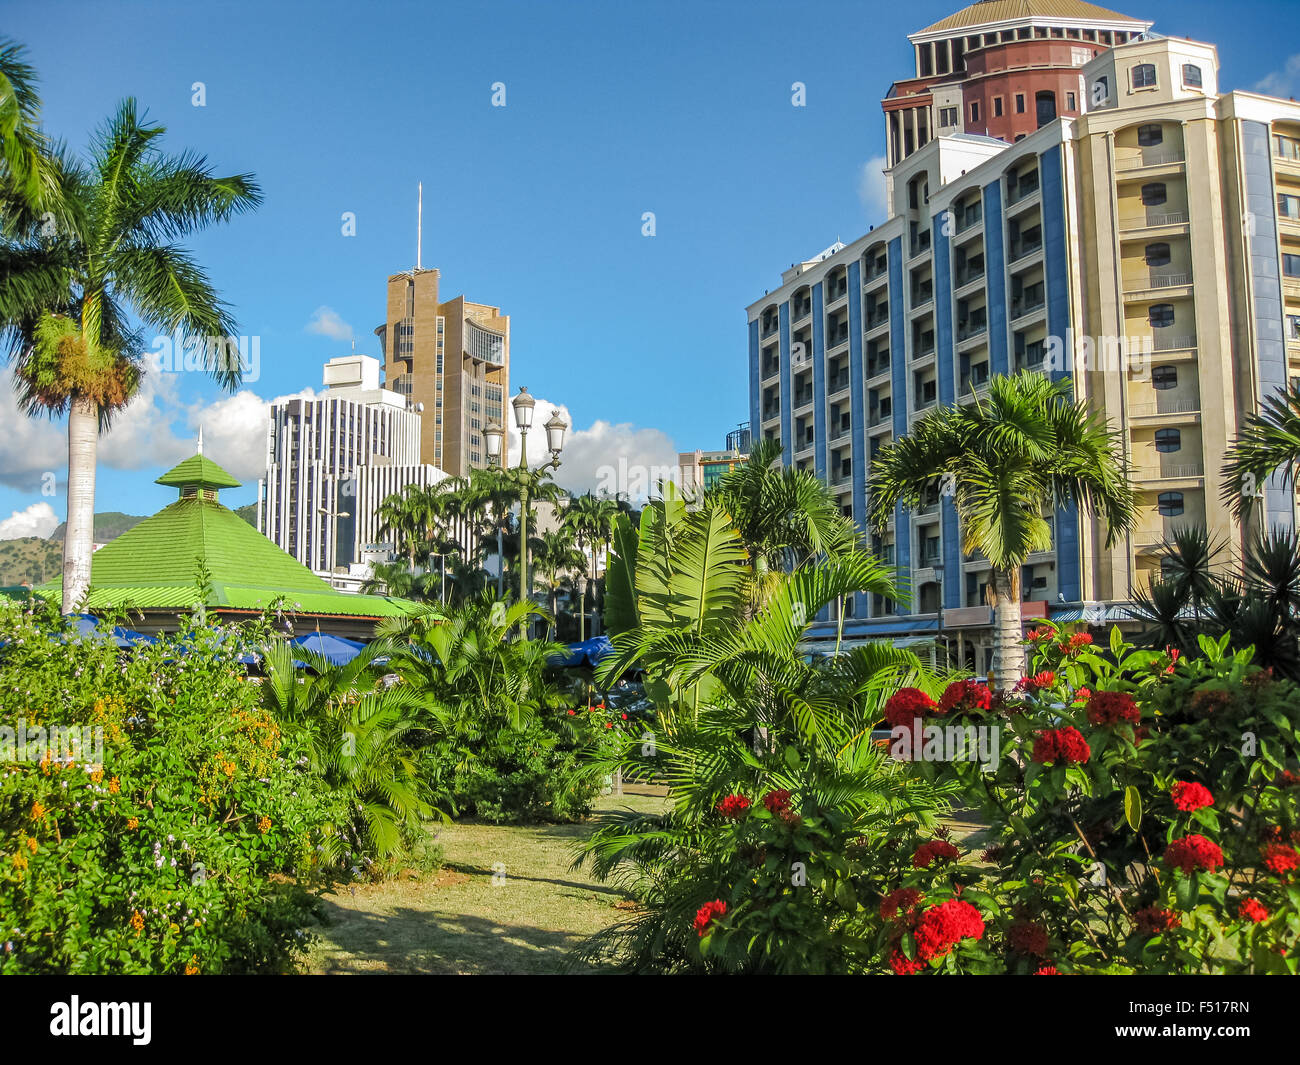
{"x": 334, "y": 536}
{"x": 494, "y": 436}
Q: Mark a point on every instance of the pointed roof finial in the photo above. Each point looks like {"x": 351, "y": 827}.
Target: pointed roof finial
{"x": 199, "y": 450}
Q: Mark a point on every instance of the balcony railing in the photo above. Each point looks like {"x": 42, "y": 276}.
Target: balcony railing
{"x": 1021, "y": 248}
{"x": 802, "y": 398}
{"x": 1022, "y": 307}
{"x": 1169, "y": 406}
{"x": 1171, "y": 471}
{"x": 972, "y": 328}
{"x": 920, "y": 244}
{"x": 875, "y": 367}
{"x": 1026, "y": 186}
{"x": 1152, "y": 219}
{"x": 835, "y": 337}
{"x": 837, "y": 291}
{"x": 1153, "y": 281}
{"x": 769, "y": 330}
{"x": 1150, "y": 157}
{"x": 922, "y": 294}
{"x": 839, "y": 382}
{"x": 966, "y": 276}
{"x": 1172, "y": 343}
{"x": 800, "y": 311}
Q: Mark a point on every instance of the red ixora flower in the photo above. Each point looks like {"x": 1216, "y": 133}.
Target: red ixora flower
{"x": 1048, "y": 970}
{"x": 777, "y": 801}
{"x": 707, "y": 914}
{"x": 1190, "y": 797}
{"x": 907, "y": 704}
{"x": 965, "y": 695}
{"x": 904, "y": 966}
{"x": 1028, "y": 937}
{"x": 1253, "y": 910}
{"x": 733, "y": 806}
{"x": 1082, "y": 695}
{"x": 1112, "y": 708}
{"x": 1061, "y": 746}
{"x": 939, "y": 849}
{"x": 1153, "y": 920}
{"x": 1173, "y": 658}
{"x": 1193, "y": 853}
{"x": 942, "y": 927}
{"x": 1037, "y": 682}
{"x": 1281, "y": 859}
{"x": 903, "y": 900}
{"x": 1079, "y": 640}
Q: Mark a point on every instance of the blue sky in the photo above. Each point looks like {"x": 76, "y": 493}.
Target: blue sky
{"x": 612, "y": 109}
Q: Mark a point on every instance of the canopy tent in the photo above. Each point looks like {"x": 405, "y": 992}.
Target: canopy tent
{"x": 338, "y": 649}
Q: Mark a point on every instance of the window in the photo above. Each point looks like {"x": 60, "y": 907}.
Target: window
{"x": 1045, "y": 107}
{"x": 1286, "y": 147}
{"x": 1293, "y": 327}
{"x": 1144, "y": 76}
{"x": 1149, "y": 135}
{"x": 1291, "y": 265}
{"x": 1168, "y": 440}
{"x": 1191, "y": 76}
{"x": 997, "y": 107}
{"x": 1100, "y": 91}
{"x": 1164, "y": 378}
{"x": 1071, "y": 102}
{"x": 1170, "y": 504}
{"x": 1154, "y": 193}
{"x": 1161, "y": 315}
{"x": 1157, "y": 254}
{"x": 975, "y": 111}
{"x": 1288, "y": 206}
{"x": 1020, "y": 103}
{"x": 947, "y": 116}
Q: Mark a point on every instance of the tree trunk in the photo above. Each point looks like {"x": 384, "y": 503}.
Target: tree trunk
{"x": 79, "y": 535}
{"x": 1008, "y": 630}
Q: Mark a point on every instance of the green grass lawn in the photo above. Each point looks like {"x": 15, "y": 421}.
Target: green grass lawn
{"x": 458, "y": 921}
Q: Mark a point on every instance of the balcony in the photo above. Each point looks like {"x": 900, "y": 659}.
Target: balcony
{"x": 771, "y": 412}
{"x": 1170, "y": 471}
{"x": 876, "y": 367}
{"x": 922, "y": 294}
{"x": 1022, "y": 189}
{"x": 800, "y": 309}
{"x": 803, "y": 397}
{"x": 877, "y": 316}
{"x": 976, "y": 325}
{"x": 770, "y": 328}
{"x": 1163, "y": 407}
{"x": 1150, "y": 157}
{"x": 973, "y": 272}
{"x": 1172, "y": 343}
{"x": 920, "y": 244}
{"x": 839, "y": 382}
{"x": 1019, "y": 249}
{"x": 1153, "y": 220}
{"x": 1027, "y": 305}
{"x": 975, "y": 381}
{"x": 837, "y": 290}
{"x": 1156, "y": 281}
{"x": 883, "y": 415}
{"x": 969, "y": 218}
{"x": 837, "y": 335}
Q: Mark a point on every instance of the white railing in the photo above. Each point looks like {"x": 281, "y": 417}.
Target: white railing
{"x": 1172, "y": 471}
{"x": 1152, "y": 281}
{"x": 1153, "y": 218}
{"x": 1171, "y": 406}
{"x": 1149, "y": 158}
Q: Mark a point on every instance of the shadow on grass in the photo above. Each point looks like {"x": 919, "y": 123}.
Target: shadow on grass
{"x": 422, "y": 941}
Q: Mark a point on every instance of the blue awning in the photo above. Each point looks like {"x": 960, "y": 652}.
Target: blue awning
{"x": 338, "y": 649}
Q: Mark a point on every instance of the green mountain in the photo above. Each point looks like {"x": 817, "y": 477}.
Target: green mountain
{"x": 108, "y": 526}
{"x": 29, "y": 560}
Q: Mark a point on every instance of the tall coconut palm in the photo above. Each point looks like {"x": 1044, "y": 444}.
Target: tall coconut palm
{"x": 1025, "y": 449}
{"x": 590, "y": 519}
{"x": 557, "y": 555}
{"x": 1268, "y": 443}
{"x": 67, "y": 297}
{"x": 29, "y": 166}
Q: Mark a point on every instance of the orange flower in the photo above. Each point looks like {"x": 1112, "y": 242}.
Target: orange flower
{"x": 96, "y": 776}
{"x": 191, "y": 969}
{"x": 264, "y": 825}
{"x": 19, "y": 860}
{"x": 114, "y": 786}
{"x": 32, "y": 845}
{"x": 137, "y": 921}
{"x": 38, "y": 811}
{"x": 133, "y": 823}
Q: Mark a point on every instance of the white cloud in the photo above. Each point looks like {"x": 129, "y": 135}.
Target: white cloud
{"x": 871, "y": 188}
{"x": 37, "y": 520}
{"x": 140, "y": 435}
{"x": 1284, "y": 82}
{"x": 29, "y": 447}
{"x": 234, "y": 431}
{"x": 621, "y": 458}
{"x": 327, "y": 323}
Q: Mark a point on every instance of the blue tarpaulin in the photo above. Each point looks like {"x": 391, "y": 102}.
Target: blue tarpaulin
{"x": 587, "y": 653}
{"x": 339, "y": 650}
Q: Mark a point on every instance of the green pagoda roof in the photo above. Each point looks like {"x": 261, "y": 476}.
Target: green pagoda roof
{"x": 200, "y": 471}
{"x": 160, "y": 562}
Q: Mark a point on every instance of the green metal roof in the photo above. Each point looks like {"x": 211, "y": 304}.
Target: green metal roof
{"x": 156, "y": 564}
{"x": 198, "y": 470}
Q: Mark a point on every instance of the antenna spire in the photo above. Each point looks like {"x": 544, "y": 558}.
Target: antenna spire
{"x": 419, "y": 227}
{"x": 199, "y": 450}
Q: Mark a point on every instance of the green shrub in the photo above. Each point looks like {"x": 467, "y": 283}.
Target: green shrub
{"x": 190, "y": 848}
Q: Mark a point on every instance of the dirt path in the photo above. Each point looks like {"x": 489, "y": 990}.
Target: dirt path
{"x": 460, "y": 921}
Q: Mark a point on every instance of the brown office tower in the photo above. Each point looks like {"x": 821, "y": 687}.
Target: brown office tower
{"x": 452, "y": 363}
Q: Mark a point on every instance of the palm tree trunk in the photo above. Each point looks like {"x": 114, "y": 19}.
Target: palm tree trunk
{"x": 1008, "y": 630}
{"x": 79, "y": 534}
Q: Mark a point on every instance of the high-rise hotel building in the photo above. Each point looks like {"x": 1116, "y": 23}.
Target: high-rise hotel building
{"x": 1071, "y": 194}
{"x": 451, "y": 361}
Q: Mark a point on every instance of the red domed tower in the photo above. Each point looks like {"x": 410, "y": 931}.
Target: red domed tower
{"x": 999, "y": 68}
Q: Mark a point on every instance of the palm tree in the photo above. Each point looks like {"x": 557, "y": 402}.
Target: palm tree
{"x": 556, "y": 555}
{"x": 786, "y": 518}
{"x": 1025, "y": 449}
{"x": 398, "y": 516}
{"x": 360, "y": 740}
{"x": 587, "y": 517}
{"x": 65, "y": 297}
{"x": 1268, "y": 443}
{"x": 29, "y": 165}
